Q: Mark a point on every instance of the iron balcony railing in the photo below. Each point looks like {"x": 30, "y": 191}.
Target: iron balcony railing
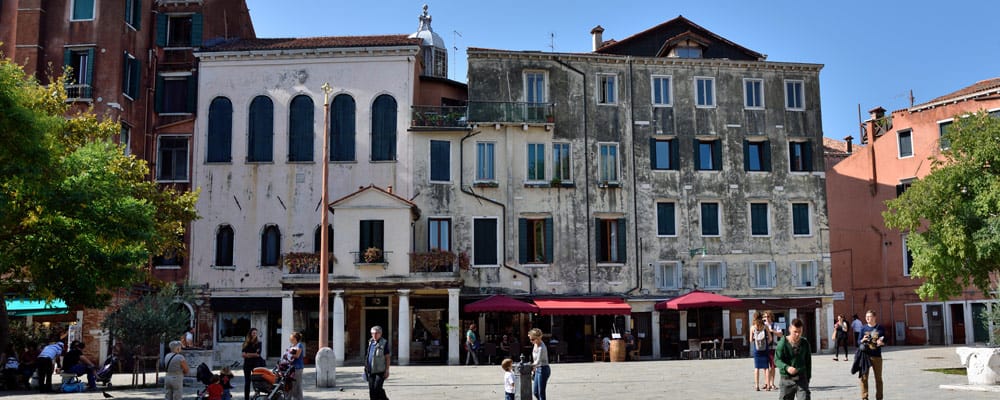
{"x": 511, "y": 112}
{"x": 78, "y": 92}
{"x": 438, "y": 117}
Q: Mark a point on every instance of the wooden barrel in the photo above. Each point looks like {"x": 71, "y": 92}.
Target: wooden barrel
{"x": 617, "y": 350}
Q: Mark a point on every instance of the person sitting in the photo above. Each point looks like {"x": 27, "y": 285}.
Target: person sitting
{"x": 504, "y": 347}
{"x": 77, "y": 363}
{"x": 629, "y": 343}
{"x": 187, "y": 339}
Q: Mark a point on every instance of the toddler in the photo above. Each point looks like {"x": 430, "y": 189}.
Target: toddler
{"x": 225, "y": 379}
{"x": 214, "y": 389}
{"x": 508, "y": 378}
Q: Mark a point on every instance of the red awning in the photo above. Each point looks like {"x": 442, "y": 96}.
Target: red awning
{"x": 583, "y": 306}
{"x": 698, "y": 299}
{"x": 500, "y": 303}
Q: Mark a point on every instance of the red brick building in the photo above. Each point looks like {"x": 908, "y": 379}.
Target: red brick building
{"x": 871, "y": 265}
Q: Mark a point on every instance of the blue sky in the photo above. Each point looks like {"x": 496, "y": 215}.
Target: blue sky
{"x": 874, "y": 53}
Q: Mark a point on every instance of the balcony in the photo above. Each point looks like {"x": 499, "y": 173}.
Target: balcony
{"x": 79, "y": 92}
{"x": 434, "y": 118}
{"x": 371, "y": 257}
{"x": 488, "y": 112}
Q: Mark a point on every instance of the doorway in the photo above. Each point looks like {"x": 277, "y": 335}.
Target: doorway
{"x": 957, "y": 322}
{"x": 935, "y": 325}
{"x": 375, "y": 316}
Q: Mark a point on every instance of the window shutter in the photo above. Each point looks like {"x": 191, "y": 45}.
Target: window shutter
{"x": 674, "y": 155}
{"x": 549, "y": 241}
{"x": 774, "y": 274}
{"x": 622, "y": 250}
{"x": 342, "y": 128}
{"x": 192, "y": 93}
{"x": 658, "y": 275}
{"x": 364, "y": 239}
{"x": 717, "y": 155}
{"x": 766, "y": 162}
{"x": 599, "y": 231}
{"x": 697, "y": 155}
{"x": 136, "y": 78}
{"x": 196, "y": 28}
{"x": 807, "y": 159}
{"x": 161, "y": 29}
{"x": 702, "y": 277}
{"x": 522, "y": 240}
{"x": 220, "y": 126}
{"x": 795, "y": 274}
{"x": 90, "y": 68}
{"x": 652, "y": 154}
{"x": 137, "y": 14}
{"x": 300, "y": 135}
{"x": 158, "y": 101}
{"x": 678, "y": 275}
{"x": 752, "y": 273}
{"x": 815, "y": 273}
{"x": 746, "y": 155}
{"x": 378, "y": 234}
{"x": 723, "y": 275}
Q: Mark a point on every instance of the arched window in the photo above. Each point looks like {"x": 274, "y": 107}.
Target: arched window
{"x": 300, "y": 129}
{"x": 220, "y": 130}
{"x": 342, "y": 128}
{"x": 329, "y": 243}
{"x": 270, "y": 246}
{"x": 260, "y": 132}
{"x": 384, "y": 128}
{"x": 224, "y": 246}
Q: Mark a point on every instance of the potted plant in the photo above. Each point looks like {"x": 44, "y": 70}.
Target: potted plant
{"x": 372, "y": 254}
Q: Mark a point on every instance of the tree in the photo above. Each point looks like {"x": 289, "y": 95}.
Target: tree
{"x": 78, "y": 218}
{"x": 144, "y": 322}
{"x": 953, "y": 214}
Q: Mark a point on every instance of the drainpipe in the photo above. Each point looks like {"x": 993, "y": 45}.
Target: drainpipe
{"x": 635, "y": 190}
{"x": 503, "y": 208}
{"x": 586, "y": 175}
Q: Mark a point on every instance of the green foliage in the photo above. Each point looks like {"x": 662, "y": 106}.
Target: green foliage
{"x": 23, "y": 334}
{"x": 145, "y": 322}
{"x": 953, "y": 214}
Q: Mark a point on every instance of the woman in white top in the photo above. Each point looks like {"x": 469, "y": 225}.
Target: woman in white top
{"x": 539, "y": 363}
{"x": 176, "y": 367}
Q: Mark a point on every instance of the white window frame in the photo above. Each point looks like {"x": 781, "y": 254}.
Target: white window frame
{"x": 569, "y": 161}
{"x": 528, "y": 88}
{"x": 770, "y": 271}
{"x": 170, "y": 19}
{"x": 93, "y": 11}
{"x": 187, "y": 158}
{"x": 665, "y": 269}
{"x": 656, "y": 211}
{"x": 906, "y": 260}
{"x": 601, "y": 163}
{"x": 124, "y": 137}
{"x": 767, "y": 218}
{"x": 430, "y": 161}
{"x": 899, "y": 143}
{"x": 472, "y": 235}
{"x": 492, "y": 161}
{"x": 800, "y": 87}
{"x": 941, "y": 124}
{"x": 698, "y": 88}
{"x": 701, "y": 218}
{"x": 128, "y": 76}
{"x": 174, "y": 76}
{"x": 759, "y": 92}
{"x": 704, "y": 277}
{"x": 668, "y": 101}
{"x": 801, "y": 269}
{"x": 809, "y": 217}
{"x": 604, "y": 97}
{"x": 527, "y": 165}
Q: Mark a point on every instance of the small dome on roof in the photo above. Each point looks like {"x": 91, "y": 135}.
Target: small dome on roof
{"x": 425, "y": 33}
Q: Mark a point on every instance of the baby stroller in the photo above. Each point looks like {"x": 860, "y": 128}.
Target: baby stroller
{"x": 273, "y": 384}
{"x": 104, "y": 374}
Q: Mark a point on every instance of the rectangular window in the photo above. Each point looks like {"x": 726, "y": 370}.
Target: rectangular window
{"x": 607, "y": 89}
{"x": 179, "y": 30}
{"x": 535, "y": 242}
{"x": 172, "y": 159}
{"x": 757, "y": 156}
{"x": 561, "y": 162}
{"x": 800, "y": 156}
{"x": 485, "y": 161}
{"x": 907, "y": 256}
{"x": 123, "y": 139}
{"x": 175, "y": 94}
{"x": 133, "y": 13}
{"x": 440, "y": 161}
{"x": 484, "y": 241}
{"x": 608, "y": 162}
{"x": 759, "y": 220}
{"x": 904, "y": 141}
{"x": 130, "y": 77}
{"x": 753, "y": 94}
{"x": 664, "y": 154}
{"x": 710, "y": 219}
{"x": 611, "y": 245}
{"x": 666, "y": 219}
{"x": 708, "y": 155}
{"x": 668, "y": 275}
{"x": 534, "y": 91}
{"x": 800, "y": 219}
{"x": 943, "y": 140}
{"x": 712, "y": 274}
{"x": 704, "y": 91}
{"x": 903, "y": 185}
{"x": 81, "y": 61}
{"x": 804, "y": 274}
{"x": 82, "y": 10}
{"x": 661, "y": 91}
{"x": 233, "y": 326}
{"x": 794, "y": 95}
{"x": 439, "y": 234}
{"x": 371, "y": 234}
{"x": 762, "y": 275}
{"x": 536, "y": 162}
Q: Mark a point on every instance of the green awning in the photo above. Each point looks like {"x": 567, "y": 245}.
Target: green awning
{"x": 24, "y": 308}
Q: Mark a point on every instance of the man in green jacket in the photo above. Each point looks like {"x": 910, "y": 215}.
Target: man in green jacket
{"x": 793, "y": 358}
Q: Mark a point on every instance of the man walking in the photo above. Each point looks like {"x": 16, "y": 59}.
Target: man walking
{"x": 871, "y": 342}
{"x": 793, "y": 358}
{"x": 856, "y": 326}
{"x": 377, "y": 364}
{"x": 471, "y": 345}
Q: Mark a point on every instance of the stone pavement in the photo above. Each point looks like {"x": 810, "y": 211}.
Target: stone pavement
{"x": 905, "y": 378}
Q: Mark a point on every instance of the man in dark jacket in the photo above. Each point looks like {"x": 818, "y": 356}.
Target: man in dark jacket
{"x": 793, "y": 358}
{"x": 377, "y": 364}
{"x": 871, "y": 342}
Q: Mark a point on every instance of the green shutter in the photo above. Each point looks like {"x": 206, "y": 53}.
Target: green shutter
{"x": 364, "y": 239}
{"x": 522, "y": 240}
{"x": 599, "y": 230}
{"x": 158, "y": 102}
{"x": 766, "y": 162}
{"x": 161, "y": 30}
{"x": 136, "y": 79}
{"x": 652, "y": 153}
{"x": 379, "y": 233}
{"x": 622, "y": 243}
{"x": 717, "y": 155}
{"x": 807, "y": 158}
{"x": 67, "y": 58}
{"x": 90, "y": 69}
{"x": 697, "y": 155}
{"x": 675, "y": 159}
{"x": 746, "y": 155}
{"x": 137, "y": 14}
{"x": 196, "y": 29}
{"x": 549, "y": 245}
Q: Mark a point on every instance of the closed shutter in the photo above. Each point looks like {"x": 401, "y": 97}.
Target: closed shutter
{"x": 652, "y": 154}
{"x": 717, "y": 155}
{"x": 342, "y": 128}
{"x": 196, "y": 29}
{"x": 665, "y": 219}
{"x": 220, "y": 130}
{"x": 136, "y": 79}
{"x": 384, "y": 129}
{"x": 192, "y": 94}
{"x": 674, "y": 155}
{"x": 796, "y": 282}
{"x": 549, "y": 241}
{"x": 300, "y": 127}
{"x": 702, "y": 276}
{"x": 378, "y": 235}
{"x": 622, "y": 250}
{"x": 697, "y": 154}
{"x": 766, "y": 162}
{"x": 161, "y": 29}
{"x": 746, "y": 155}
{"x": 440, "y": 160}
{"x": 723, "y": 275}
{"x": 658, "y": 275}
{"x": 67, "y": 59}
{"x": 814, "y": 268}
{"x": 485, "y": 246}
{"x": 599, "y": 231}
{"x": 774, "y": 274}
{"x": 364, "y": 237}
{"x": 752, "y": 273}
{"x": 136, "y": 14}
{"x": 158, "y": 101}
{"x": 522, "y": 240}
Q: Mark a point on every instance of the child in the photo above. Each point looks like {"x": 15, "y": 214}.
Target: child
{"x": 508, "y": 378}
{"x": 225, "y": 379}
{"x": 214, "y": 389}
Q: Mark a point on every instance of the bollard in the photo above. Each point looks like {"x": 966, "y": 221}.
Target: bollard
{"x": 524, "y": 379}
{"x": 326, "y": 368}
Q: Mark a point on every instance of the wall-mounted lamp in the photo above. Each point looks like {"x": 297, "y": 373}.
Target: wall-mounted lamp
{"x": 199, "y": 301}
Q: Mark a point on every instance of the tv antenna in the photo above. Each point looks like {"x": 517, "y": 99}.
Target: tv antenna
{"x": 454, "y": 45}
{"x": 552, "y": 42}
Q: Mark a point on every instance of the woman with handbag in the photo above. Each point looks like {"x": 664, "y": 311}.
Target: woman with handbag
{"x": 251, "y": 360}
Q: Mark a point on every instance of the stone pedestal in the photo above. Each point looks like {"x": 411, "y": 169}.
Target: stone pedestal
{"x": 982, "y": 364}
{"x": 326, "y": 368}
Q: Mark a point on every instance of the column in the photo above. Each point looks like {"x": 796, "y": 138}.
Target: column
{"x": 404, "y": 328}
{"x": 287, "y": 318}
{"x": 655, "y": 332}
{"x": 453, "y": 328}
{"x": 725, "y": 324}
{"x": 830, "y": 319}
{"x": 338, "y": 326}
{"x": 628, "y": 323}
{"x": 683, "y": 326}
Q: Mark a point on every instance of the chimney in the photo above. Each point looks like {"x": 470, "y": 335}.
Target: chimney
{"x": 388, "y": 189}
{"x": 598, "y": 34}
{"x": 877, "y": 112}
{"x": 850, "y": 145}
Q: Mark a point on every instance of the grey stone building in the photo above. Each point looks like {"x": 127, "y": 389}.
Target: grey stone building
{"x": 670, "y": 161}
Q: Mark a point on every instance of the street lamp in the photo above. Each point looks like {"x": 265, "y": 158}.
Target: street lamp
{"x": 324, "y": 256}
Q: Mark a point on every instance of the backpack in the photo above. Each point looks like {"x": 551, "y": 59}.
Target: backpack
{"x": 760, "y": 340}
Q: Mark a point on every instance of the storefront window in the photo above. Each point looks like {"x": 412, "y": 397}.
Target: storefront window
{"x": 233, "y": 326}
